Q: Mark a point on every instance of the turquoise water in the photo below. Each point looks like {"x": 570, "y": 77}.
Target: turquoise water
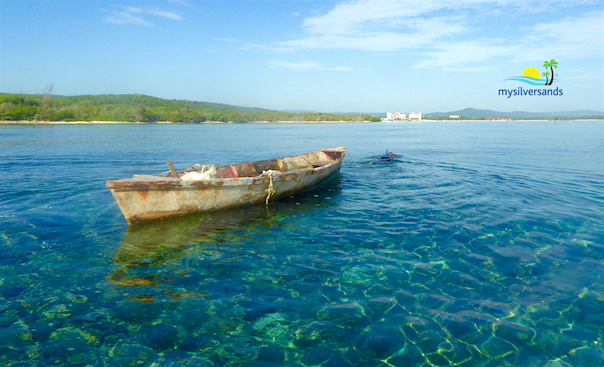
{"x": 482, "y": 245}
{"x": 532, "y": 81}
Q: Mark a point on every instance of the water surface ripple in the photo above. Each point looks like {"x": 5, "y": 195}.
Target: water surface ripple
{"x": 482, "y": 245}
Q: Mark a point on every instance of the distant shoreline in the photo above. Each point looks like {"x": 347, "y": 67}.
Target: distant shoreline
{"x": 9, "y": 122}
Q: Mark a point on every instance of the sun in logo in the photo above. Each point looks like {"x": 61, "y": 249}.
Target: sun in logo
{"x": 531, "y": 73}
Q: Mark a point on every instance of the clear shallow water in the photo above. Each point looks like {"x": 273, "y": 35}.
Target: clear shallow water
{"x": 483, "y": 245}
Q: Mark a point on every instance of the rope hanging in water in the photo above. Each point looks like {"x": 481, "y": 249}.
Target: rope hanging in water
{"x": 353, "y": 162}
{"x": 270, "y": 191}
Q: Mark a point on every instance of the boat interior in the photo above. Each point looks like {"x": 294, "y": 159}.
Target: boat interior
{"x": 285, "y": 164}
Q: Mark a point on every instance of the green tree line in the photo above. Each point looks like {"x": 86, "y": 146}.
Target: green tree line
{"x": 141, "y": 108}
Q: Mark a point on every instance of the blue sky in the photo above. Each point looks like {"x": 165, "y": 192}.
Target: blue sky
{"x": 328, "y": 56}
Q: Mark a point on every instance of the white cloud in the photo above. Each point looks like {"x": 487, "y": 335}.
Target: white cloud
{"x": 394, "y": 25}
{"x": 136, "y": 16}
{"x": 449, "y": 34}
{"x": 466, "y": 55}
{"x": 165, "y": 14}
{"x": 305, "y": 66}
{"x": 132, "y": 9}
{"x": 572, "y": 37}
{"x": 126, "y": 17}
{"x": 375, "y": 25}
{"x": 373, "y": 15}
{"x": 569, "y": 38}
{"x": 385, "y": 24}
{"x": 415, "y": 33}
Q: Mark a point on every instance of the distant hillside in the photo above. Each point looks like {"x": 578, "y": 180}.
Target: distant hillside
{"x": 141, "y": 108}
{"x": 480, "y": 114}
{"x": 149, "y": 101}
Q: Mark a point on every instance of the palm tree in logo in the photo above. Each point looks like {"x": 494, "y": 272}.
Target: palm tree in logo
{"x": 552, "y": 64}
{"x": 546, "y": 75}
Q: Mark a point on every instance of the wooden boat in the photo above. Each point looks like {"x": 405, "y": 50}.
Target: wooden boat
{"x": 147, "y": 198}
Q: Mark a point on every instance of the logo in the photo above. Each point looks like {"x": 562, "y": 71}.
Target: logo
{"x": 531, "y": 76}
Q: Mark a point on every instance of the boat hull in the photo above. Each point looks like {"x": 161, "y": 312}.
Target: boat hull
{"x": 156, "y": 198}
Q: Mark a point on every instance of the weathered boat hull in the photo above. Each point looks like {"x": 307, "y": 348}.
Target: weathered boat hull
{"x": 150, "y": 198}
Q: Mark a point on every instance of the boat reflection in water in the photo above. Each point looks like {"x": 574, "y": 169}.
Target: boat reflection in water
{"x": 170, "y": 260}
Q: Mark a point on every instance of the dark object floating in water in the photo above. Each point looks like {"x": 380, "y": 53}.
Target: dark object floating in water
{"x": 201, "y": 188}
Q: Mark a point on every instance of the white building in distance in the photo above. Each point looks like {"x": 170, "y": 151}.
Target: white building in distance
{"x": 397, "y": 116}
{"x": 415, "y": 116}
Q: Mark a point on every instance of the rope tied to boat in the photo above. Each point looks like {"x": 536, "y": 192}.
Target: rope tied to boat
{"x": 270, "y": 191}
{"x": 353, "y": 162}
